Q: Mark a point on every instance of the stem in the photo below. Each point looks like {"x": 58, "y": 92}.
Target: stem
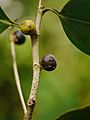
{"x": 36, "y": 66}
{"x": 15, "y": 69}
{"x": 64, "y": 17}
{"x": 9, "y": 23}
{"x": 51, "y": 10}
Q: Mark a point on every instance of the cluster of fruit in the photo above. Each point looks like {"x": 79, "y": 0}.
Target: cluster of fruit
{"x": 27, "y": 27}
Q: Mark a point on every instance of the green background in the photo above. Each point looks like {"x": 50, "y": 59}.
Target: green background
{"x": 65, "y": 88}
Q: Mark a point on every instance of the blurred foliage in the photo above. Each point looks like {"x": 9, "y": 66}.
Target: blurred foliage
{"x": 63, "y": 89}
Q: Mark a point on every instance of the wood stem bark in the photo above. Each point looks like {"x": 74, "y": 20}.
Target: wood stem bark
{"x": 36, "y": 66}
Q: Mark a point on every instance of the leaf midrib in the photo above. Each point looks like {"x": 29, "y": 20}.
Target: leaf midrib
{"x": 74, "y": 19}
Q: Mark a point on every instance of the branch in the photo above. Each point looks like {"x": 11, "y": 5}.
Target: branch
{"x": 36, "y": 66}
{"x": 15, "y": 69}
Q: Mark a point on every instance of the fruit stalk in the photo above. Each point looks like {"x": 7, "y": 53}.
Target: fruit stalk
{"x": 15, "y": 69}
{"x": 36, "y": 66}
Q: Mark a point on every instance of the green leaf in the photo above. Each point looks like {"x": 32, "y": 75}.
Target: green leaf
{"x": 5, "y": 22}
{"x": 80, "y": 114}
{"x": 75, "y": 18}
{"x": 3, "y": 16}
{"x": 3, "y": 27}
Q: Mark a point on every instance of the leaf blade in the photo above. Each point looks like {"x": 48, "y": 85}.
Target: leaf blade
{"x": 79, "y": 114}
{"x": 4, "y": 17}
{"x": 75, "y": 19}
{"x": 3, "y": 27}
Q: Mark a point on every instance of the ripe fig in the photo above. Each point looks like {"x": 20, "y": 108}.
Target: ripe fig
{"x": 48, "y": 62}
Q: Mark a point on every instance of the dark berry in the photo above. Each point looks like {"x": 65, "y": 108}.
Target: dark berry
{"x": 19, "y": 37}
{"x": 48, "y": 62}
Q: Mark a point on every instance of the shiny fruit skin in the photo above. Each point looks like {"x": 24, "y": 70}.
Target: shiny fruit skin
{"x": 48, "y": 62}
{"x": 28, "y": 27}
{"x": 19, "y": 37}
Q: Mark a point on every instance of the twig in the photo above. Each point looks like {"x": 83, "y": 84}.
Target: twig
{"x": 15, "y": 69}
{"x": 36, "y": 67}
